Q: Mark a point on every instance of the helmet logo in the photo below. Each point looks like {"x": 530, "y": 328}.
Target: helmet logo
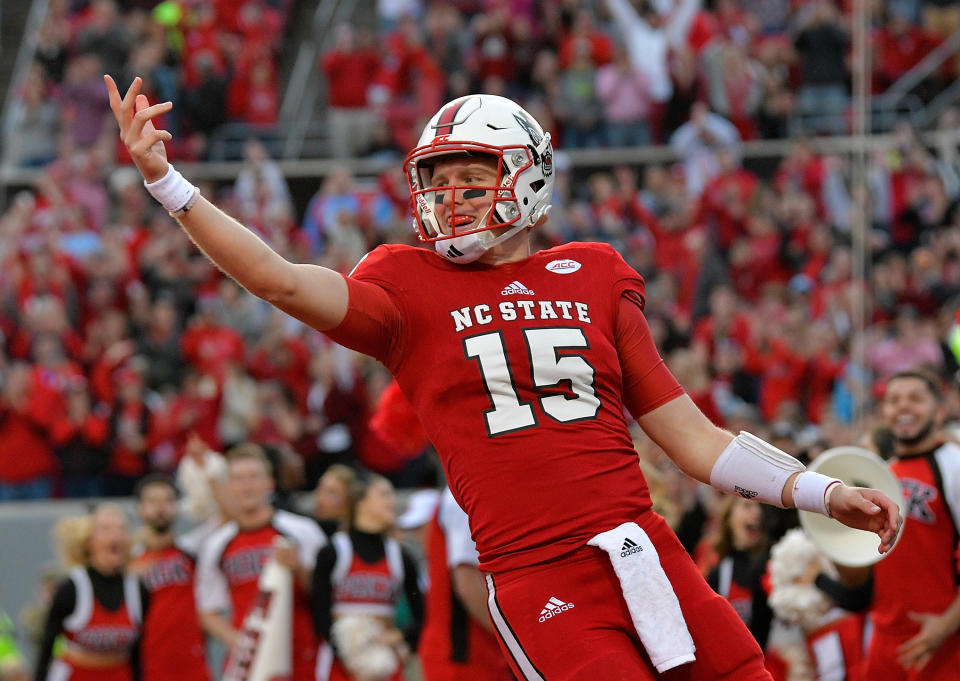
{"x": 547, "y": 163}
{"x": 528, "y": 127}
{"x": 455, "y": 113}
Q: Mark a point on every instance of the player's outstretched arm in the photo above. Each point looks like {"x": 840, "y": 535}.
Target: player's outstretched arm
{"x": 748, "y": 466}
{"x": 315, "y": 295}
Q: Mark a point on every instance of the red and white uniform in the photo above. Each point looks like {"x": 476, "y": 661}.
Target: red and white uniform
{"x": 515, "y": 372}
{"x": 920, "y": 574}
{"x": 174, "y": 646}
{"x": 364, "y": 588}
{"x": 92, "y": 628}
{"x": 837, "y": 647}
{"x": 453, "y": 646}
{"x": 228, "y": 574}
{"x": 361, "y": 587}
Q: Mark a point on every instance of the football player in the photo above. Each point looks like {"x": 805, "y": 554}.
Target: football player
{"x": 520, "y": 365}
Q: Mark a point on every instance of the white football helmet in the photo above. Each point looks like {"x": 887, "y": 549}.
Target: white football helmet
{"x": 491, "y": 126}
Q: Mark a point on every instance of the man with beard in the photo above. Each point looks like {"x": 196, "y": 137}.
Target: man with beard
{"x": 173, "y": 646}
{"x": 915, "y": 606}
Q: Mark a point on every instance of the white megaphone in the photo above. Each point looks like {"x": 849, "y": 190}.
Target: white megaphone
{"x": 857, "y": 467}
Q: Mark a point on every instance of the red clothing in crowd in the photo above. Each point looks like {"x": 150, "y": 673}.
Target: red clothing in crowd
{"x": 349, "y": 74}
{"x": 208, "y": 347}
{"x": 897, "y": 52}
{"x": 288, "y": 363}
{"x": 26, "y": 449}
{"x": 782, "y": 374}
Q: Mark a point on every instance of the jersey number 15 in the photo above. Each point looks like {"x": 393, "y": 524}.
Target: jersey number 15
{"x": 549, "y": 370}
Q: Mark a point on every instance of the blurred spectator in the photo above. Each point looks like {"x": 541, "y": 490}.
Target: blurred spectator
{"x": 23, "y": 428}
{"x": 584, "y": 39}
{"x": 159, "y": 345}
{"x": 699, "y": 142}
{"x": 735, "y": 85}
{"x": 239, "y": 406}
{"x": 260, "y": 186}
{"x": 908, "y": 344}
{"x": 624, "y": 93}
{"x": 742, "y": 547}
{"x": 351, "y": 67}
{"x": 337, "y": 195}
{"x": 898, "y": 46}
{"x": 103, "y": 33}
{"x": 253, "y": 96}
{"x": 130, "y": 422}
{"x": 84, "y": 110}
{"x": 34, "y": 122}
{"x": 650, "y": 34}
{"x": 207, "y": 344}
{"x": 331, "y": 498}
{"x": 576, "y": 104}
{"x": 80, "y": 440}
{"x": 53, "y": 40}
{"x": 821, "y": 41}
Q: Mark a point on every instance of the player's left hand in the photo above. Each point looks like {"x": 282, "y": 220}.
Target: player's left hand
{"x": 917, "y": 651}
{"x": 863, "y": 508}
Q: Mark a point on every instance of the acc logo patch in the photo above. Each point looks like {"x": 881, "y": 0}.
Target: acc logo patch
{"x": 565, "y": 266}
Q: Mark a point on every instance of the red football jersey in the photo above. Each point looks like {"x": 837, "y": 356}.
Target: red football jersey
{"x": 228, "y": 576}
{"x": 174, "y": 646}
{"x": 919, "y": 575}
{"x": 514, "y": 372}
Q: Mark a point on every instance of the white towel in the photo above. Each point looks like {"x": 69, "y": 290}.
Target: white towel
{"x": 650, "y": 598}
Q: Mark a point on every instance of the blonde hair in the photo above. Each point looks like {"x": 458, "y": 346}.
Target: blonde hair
{"x": 72, "y": 535}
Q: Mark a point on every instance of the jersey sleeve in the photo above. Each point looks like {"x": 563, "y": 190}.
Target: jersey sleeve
{"x": 374, "y": 321}
{"x": 647, "y": 382}
{"x": 211, "y": 591}
{"x": 461, "y": 550}
{"x": 626, "y": 281}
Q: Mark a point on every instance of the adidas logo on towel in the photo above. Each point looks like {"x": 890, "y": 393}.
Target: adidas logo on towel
{"x": 629, "y": 546}
{"x": 516, "y": 287}
{"x": 553, "y": 608}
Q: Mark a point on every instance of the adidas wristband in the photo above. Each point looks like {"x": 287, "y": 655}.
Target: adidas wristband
{"x": 173, "y": 191}
{"x": 754, "y": 469}
{"x": 810, "y": 492}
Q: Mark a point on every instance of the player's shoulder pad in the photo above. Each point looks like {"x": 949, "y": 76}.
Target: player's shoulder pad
{"x": 387, "y": 261}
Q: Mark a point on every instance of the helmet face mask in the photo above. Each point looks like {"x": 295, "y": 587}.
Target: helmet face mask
{"x": 482, "y": 126}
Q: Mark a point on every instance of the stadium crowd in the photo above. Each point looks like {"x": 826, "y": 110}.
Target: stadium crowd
{"x": 604, "y": 72}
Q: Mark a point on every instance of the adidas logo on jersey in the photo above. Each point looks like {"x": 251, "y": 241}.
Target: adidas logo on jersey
{"x": 515, "y": 287}
{"x": 553, "y": 608}
{"x": 629, "y": 547}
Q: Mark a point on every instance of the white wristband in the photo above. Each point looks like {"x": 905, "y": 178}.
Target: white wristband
{"x": 754, "y": 469}
{"x": 173, "y": 191}
{"x": 810, "y": 492}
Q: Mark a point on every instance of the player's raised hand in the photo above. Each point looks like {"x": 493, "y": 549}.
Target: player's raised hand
{"x": 141, "y": 138}
{"x": 868, "y": 509}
